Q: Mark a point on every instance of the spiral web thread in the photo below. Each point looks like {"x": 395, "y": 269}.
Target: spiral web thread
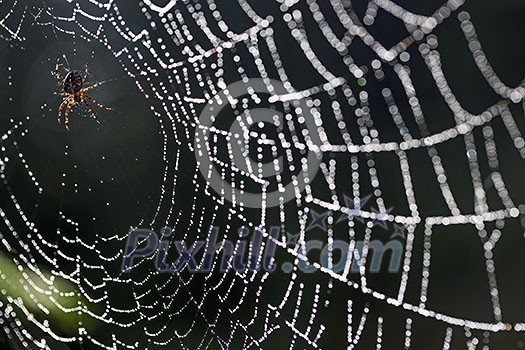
{"x": 195, "y": 59}
{"x": 12, "y": 21}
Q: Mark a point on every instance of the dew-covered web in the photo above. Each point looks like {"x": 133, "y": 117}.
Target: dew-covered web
{"x": 353, "y": 121}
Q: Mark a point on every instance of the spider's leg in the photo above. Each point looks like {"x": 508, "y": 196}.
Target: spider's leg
{"x": 97, "y": 103}
{"x": 90, "y": 111}
{"x": 64, "y": 103}
{"x": 67, "y": 112}
{"x": 85, "y": 74}
{"x": 57, "y": 75}
{"x": 94, "y": 86}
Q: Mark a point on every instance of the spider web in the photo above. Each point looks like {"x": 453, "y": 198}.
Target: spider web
{"x": 388, "y": 118}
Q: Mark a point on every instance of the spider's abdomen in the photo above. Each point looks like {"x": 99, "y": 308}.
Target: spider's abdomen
{"x": 73, "y": 82}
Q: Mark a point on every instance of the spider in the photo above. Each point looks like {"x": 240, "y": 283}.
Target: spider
{"x": 74, "y": 93}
